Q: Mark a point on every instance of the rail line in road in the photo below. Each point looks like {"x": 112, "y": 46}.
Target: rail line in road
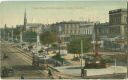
{"x": 11, "y": 52}
{"x": 22, "y": 55}
{"x": 30, "y": 57}
{"x": 27, "y": 57}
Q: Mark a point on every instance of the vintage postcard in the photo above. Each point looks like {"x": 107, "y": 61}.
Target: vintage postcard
{"x": 64, "y": 39}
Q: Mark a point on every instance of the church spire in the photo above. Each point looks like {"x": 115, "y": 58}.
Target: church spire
{"x": 25, "y": 19}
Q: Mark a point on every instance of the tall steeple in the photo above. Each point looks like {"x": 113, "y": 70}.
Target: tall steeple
{"x": 25, "y": 19}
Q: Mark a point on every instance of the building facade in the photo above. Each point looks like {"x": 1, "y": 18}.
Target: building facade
{"x": 34, "y": 27}
{"x": 73, "y": 29}
{"x": 103, "y": 30}
{"x": 117, "y": 29}
{"x": 118, "y": 21}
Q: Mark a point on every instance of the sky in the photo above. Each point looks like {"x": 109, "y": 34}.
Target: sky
{"x": 62, "y": 0}
{"x": 48, "y": 12}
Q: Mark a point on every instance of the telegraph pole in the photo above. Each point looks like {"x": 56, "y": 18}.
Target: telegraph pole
{"x": 81, "y": 53}
{"x": 81, "y": 57}
{"x": 95, "y": 41}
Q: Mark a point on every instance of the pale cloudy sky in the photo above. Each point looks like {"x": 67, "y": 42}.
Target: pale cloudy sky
{"x": 49, "y": 11}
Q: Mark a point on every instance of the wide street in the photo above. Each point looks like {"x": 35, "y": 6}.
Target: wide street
{"x": 75, "y": 70}
{"x": 20, "y": 62}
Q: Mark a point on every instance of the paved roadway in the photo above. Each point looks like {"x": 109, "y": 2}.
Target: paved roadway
{"x": 75, "y": 70}
{"x": 21, "y": 63}
{"x": 107, "y": 53}
{"x": 96, "y": 73}
{"x": 15, "y": 57}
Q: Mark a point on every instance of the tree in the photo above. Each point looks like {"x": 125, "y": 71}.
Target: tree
{"x": 75, "y": 45}
{"x": 48, "y": 37}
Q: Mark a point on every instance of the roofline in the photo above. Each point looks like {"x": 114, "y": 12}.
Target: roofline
{"x": 117, "y": 11}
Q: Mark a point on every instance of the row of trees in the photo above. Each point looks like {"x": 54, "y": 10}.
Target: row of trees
{"x": 74, "y": 45}
{"x": 49, "y": 37}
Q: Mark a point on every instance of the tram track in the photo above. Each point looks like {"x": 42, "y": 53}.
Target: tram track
{"x": 27, "y": 57}
{"x": 22, "y": 54}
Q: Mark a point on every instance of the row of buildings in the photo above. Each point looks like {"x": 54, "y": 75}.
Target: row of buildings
{"x": 112, "y": 34}
{"x": 110, "y": 31}
{"x": 117, "y": 26}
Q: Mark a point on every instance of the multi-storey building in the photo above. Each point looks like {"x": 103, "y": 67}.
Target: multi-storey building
{"x": 118, "y": 21}
{"x": 73, "y": 28}
{"x": 117, "y": 29}
{"x": 103, "y": 30}
{"x": 34, "y": 27}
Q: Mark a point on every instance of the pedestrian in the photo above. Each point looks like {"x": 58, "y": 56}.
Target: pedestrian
{"x": 49, "y": 73}
{"x": 82, "y": 72}
{"x": 60, "y": 77}
{"x": 56, "y": 64}
{"x": 22, "y": 77}
{"x": 5, "y": 72}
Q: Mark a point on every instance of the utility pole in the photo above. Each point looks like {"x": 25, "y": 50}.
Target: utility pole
{"x": 81, "y": 53}
{"x": 95, "y": 46}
